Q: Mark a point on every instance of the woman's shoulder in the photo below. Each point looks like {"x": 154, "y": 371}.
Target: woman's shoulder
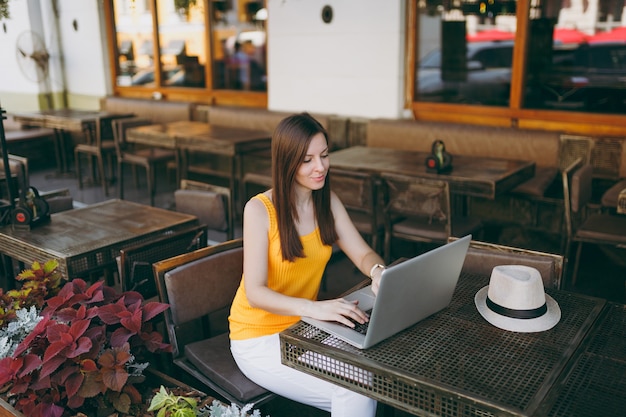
{"x": 260, "y": 202}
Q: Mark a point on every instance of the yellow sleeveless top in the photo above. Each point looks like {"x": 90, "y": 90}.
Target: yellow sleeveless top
{"x": 300, "y": 278}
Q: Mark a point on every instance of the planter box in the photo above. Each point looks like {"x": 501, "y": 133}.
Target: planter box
{"x": 6, "y": 410}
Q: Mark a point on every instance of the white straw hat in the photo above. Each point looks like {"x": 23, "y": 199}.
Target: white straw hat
{"x": 515, "y": 300}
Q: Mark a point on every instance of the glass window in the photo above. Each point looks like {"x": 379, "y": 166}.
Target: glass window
{"x": 465, "y": 52}
{"x": 182, "y": 37}
{"x": 234, "y": 49}
{"x": 133, "y": 22}
{"x": 238, "y": 45}
{"x": 585, "y": 62}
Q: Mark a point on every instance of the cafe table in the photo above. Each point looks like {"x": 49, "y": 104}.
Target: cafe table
{"x": 86, "y": 240}
{"x": 194, "y": 136}
{"x": 454, "y": 363}
{"x": 470, "y": 175}
{"x": 64, "y": 121}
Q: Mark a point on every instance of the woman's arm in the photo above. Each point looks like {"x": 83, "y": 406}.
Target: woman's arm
{"x": 255, "y": 254}
{"x": 354, "y": 246}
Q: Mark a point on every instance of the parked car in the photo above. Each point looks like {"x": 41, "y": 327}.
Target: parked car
{"x": 146, "y": 77}
{"x": 486, "y": 79}
{"x": 591, "y": 78}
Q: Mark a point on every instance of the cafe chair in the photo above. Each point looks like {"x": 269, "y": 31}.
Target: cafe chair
{"x": 99, "y": 144}
{"x": 482, "y": 257}
{"x": 136, "y": 155}
{"x": 581, "y": 224}
{"x": 199, "y": 287}
{"x": 135, "y": 261}
{"x": 58, "y": 200}
{"x": 210, "y": 204}
{"x": 539, "y": 187}
{"x": 418, "y": 210}
{"x": 359, "y": 194}
{"x": 614, "y": 199}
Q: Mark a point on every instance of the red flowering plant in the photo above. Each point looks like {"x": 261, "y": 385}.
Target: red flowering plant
{"x": 83, "y": 352}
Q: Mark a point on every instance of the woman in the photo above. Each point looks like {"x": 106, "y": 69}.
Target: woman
{"x": 288, "y": 233}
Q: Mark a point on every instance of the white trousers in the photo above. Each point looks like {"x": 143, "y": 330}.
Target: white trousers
{"x": 259, "y": 360}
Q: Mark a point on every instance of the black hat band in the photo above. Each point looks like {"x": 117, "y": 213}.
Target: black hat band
{"x": 516, "y": 314}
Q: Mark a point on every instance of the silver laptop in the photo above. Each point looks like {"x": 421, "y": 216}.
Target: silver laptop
{"x": 409, "y": 292}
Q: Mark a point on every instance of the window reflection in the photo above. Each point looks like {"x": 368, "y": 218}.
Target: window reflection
{"x": 133, "y": 22}
{"x": 575, "y": 57}
{"x": 238, "y": 45}
{"x": 587, "y": 66}
{"x": 465, "y": 53}
{"x": 237, "y": 36}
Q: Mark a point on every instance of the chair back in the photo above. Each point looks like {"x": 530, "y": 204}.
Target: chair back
{"x": 482, "y": 257}
{"x": 358, "y": 192}
{"x": 199, "y": 287}
{"x": 210, "y": 203}
{"x": 577, "y": 183}
{"x": 119, "y": 132}
{"x": 136, "y": 261}
{"x": 573, "y": 148}
{"x": 425, "y": 199}
{"x": 103, "y": 130}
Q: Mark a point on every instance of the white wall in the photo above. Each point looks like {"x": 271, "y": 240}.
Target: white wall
{"x": 13, "y": 82}
{"x": 77, "y": 61}
{"x": 353, "y": 66}
{"x": 86, "y": 65}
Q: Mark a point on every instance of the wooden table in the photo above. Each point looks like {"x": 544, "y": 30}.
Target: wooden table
{"x": 470, "y": 176}
{"x": 88, "y": 239}
{"x": 455, "y": 363}
{"x": 192, "y": 136}
{"x": 63, "y": 121}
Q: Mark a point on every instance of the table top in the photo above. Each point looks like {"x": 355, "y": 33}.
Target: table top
{"x": 200, "y": 136}
{"x": 595, "y": 383}
{"x": 453, "y": 363}
{"x": 65, "y": 119}
{"x": 470, "y": 175}
{"x": 91, "y": 235}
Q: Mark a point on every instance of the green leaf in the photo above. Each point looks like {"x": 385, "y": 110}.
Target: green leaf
{"x": 160, "y": 399}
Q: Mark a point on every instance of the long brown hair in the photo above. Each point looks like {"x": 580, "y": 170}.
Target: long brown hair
{"x": 290, "y": 143}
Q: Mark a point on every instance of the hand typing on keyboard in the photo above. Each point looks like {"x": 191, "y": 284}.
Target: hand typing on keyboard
{"x": 361, "y": 327}
{"x": 339, "y": 310}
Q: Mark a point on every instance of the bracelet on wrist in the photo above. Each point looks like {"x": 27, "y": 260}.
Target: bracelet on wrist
{"x": 375, "y": 267}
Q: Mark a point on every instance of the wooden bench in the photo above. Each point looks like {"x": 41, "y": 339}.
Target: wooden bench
{"x": 158, "y": 111}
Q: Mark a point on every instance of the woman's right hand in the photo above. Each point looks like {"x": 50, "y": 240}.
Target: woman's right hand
{"x": 338, "y": 310}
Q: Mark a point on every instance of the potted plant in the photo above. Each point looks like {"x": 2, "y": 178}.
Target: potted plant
{"x": 76, "y": 350}
{"x": 83, "y": 353}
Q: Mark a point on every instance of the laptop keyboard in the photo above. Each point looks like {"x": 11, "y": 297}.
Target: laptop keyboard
{"x": 361, "y": 327}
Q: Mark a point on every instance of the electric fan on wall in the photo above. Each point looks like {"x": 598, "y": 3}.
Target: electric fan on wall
{"x": 32, "y": 56}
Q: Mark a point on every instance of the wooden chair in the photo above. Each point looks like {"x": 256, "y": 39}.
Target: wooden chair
{"x": 583, "y": 226}
{"x": 418, "y": 210}
{"x": 136, "y": 261}
{"x": 358, "y": 193}
{"x": 482, "y": 257}
{"x": 210, "y": 203}
{"x": 199, "y": 287}
{"x": 99, "y": 144}
{"x": 614, "y": 199}
{"x": 147, "y": 157}
{"x": 536, "y": 189}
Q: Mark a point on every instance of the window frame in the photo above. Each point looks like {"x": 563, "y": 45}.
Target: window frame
{"x": 206, "y": 95}
{"x": 514, "y": 115}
